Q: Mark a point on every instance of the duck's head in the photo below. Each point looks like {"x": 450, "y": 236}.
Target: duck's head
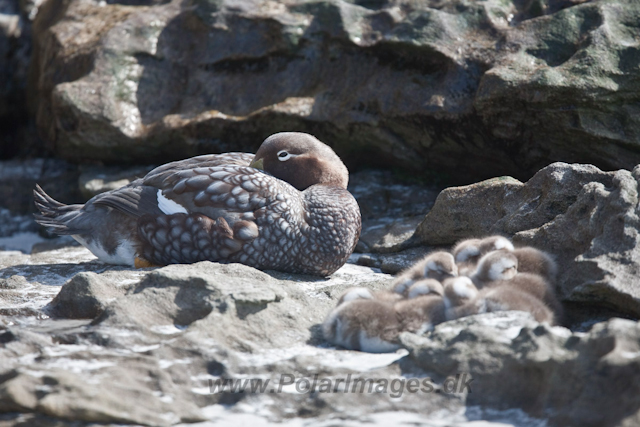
{"x": 301, "y": 160}
{"x": 497, "y": 265}
{"x": 439, "y": 265}
{"x": 459, "y": 291}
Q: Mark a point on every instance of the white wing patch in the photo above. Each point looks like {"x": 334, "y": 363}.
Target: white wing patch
{"x": 168, "y": 206}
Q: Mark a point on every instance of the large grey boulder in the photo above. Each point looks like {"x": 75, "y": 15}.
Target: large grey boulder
{"x": 588, "y": 219}
{"x": 427, "y": 86}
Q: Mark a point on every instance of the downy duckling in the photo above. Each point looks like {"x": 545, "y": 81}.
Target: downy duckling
{"x": 458, "y": 291}
{"x": 366, "y": 293}
{"x": 363, "y": 324}
{"x": 469, "y": 251}
{"x": 425, "y": 287}
{"x": 502, "y": 268}
{"x": 420, "y": 313}
{"x": 437, "y": 265}
{"x": 535, "y": 261}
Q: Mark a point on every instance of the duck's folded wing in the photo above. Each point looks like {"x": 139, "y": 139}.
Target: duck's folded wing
{"x": 158, "y": 174}
{"x": 134, "y": 199}
{"x": 211, "y": 213}
{"x": 224, "y": 191}
{"x": 230, "y": 192}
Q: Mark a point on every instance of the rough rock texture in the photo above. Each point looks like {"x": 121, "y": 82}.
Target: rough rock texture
{"x": 85, "y": 296}
{"x": 587, "y": 218}
{"x": 164, "y": 335}
{"x": 548, "y": 372}
{"x": 149, "y": 356}
{"x": 470, "y": 89}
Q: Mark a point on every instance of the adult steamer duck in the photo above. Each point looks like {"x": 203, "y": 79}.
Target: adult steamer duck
{"x": 286, "y": 208}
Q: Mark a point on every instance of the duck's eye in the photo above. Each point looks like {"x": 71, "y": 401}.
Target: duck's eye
{"x": 283, "y": 155}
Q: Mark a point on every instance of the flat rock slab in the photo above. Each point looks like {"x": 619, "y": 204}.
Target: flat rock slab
{"x": 145, "y": 347}
{"x": 150, "y": 347}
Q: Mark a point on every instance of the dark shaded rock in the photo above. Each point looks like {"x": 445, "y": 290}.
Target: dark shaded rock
{"x": 391, "y": 206}
{"x": 10, "y": 223}
{"x": 94, "y": 180}
{"x": 19, "y": 177}
{"x": 462, "y": 88}
{"x": 587, "y": 218}
{"x": 84, "y": 297}
{"x": 387, "y": 194}
{"x": 17, "y": 134}
{"x": 547, "y": 371}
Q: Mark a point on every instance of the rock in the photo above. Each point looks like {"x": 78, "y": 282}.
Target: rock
{"x": 16, "y": 136}
{"x": 85, "y": 296}
{"x": 391, "y": 194}
{"x": 68, "y": 396}
{"x": 514, "y": 362}
{"x": 30, "y": 282}
{"x": 529, "y": 94}
{"x": 150, "y": 356}
{"x": 460, "y": 212}
{"x": 95, "y": 180}
{"x": 19, "y": 177}
{"x": 385, "y": 83}
{"x": 391, "y": 206}
{"x": 384, "y": 235}
{"x": 13, "y": 282}
{"x": 10, "y": 223}
{"x": 169, "y": 335}
{"x": 585, "y": 217}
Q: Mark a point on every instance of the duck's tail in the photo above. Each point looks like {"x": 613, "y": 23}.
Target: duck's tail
{"x": 57, "y": 217}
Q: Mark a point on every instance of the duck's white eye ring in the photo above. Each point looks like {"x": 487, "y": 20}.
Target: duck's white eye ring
{"x": 283, "y": 155}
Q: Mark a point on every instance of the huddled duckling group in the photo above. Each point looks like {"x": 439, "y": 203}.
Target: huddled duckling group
{"x": 479, "y": 276}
